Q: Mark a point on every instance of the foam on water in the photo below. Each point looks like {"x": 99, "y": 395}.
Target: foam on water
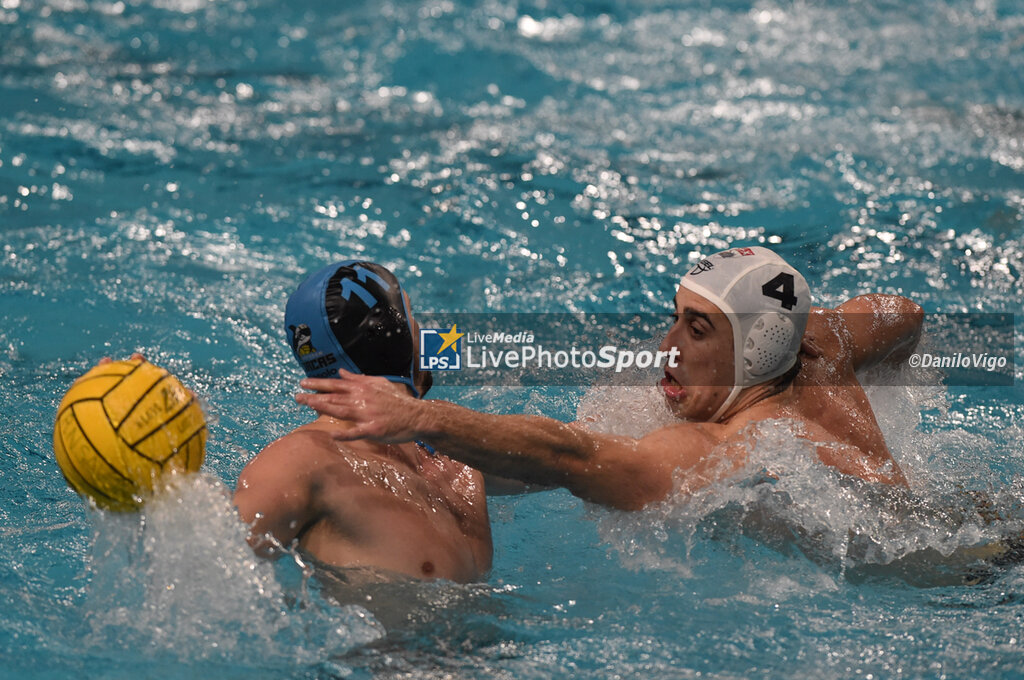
{"x": 170, "y": 170}
{"x": 785, "y": 498}
{"x": 179, "y": 580}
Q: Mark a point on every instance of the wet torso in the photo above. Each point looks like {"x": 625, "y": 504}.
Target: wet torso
{"x": 395, "y": 507}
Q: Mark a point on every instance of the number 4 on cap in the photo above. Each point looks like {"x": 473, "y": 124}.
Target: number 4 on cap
{"x": 781, "y": 288}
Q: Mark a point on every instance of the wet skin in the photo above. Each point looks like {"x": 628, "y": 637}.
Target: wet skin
{"x": 825, "y": 406}
{"x": 350, "y": 503}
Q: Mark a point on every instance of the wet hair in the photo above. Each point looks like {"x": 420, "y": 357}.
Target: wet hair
{"x": 786, "y": 379}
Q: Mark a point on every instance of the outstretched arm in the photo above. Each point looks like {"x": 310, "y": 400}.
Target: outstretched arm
{"x": 881, "y": 328}
{"x": 615, "y": 471}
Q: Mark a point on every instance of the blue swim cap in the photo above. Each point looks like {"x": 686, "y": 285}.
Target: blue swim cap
{"x": 352, "y": 315}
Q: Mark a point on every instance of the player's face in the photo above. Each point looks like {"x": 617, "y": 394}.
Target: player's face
{"x": 703, "y": 375}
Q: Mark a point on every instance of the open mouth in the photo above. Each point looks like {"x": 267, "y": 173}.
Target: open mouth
{"x": 671, "y": 387}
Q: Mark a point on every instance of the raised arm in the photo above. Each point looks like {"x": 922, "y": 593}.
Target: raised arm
{"x": 616, "y": 471}
{"x": 274, "y": 496}
{"x": 880, "y": 328}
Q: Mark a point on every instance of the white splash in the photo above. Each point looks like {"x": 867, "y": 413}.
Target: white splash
{"x": 178, "y": 578}
{"x": 784, "y": 498}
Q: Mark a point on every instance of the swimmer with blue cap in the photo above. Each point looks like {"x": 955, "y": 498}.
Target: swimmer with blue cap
{"x": 751, "y": 348}
{"x": 398, "y": 510}
{"x": 354, "y": 315}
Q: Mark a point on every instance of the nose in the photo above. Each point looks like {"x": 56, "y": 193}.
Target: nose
{"x": 668, "y": 342}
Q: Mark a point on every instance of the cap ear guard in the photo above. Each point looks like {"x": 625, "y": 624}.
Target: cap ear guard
{"x": 767, "y": 350}
{"x": 767, "y": 302}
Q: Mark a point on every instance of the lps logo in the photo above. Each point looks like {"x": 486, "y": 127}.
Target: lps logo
{"x": 440, "y": 350}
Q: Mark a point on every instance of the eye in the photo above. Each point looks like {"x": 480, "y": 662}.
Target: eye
{"x": 697, "y": 331}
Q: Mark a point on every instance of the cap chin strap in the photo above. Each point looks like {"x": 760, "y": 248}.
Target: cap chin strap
{"x": 727, "y": 403}
{"x": 411, "y": 382}
{"x": 408, "y": 382}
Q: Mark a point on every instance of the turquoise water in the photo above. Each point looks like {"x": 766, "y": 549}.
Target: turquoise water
{"x": 169, "y": 171}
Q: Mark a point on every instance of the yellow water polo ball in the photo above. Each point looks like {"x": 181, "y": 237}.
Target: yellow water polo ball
{"x": 122, "y": 428}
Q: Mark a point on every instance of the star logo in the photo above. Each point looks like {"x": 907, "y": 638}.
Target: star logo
{"x": 450, "y": 338}
{"x": 440, "y": 349}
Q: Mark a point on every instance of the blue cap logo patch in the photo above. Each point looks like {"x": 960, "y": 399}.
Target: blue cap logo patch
{"x": 302, "y": 340}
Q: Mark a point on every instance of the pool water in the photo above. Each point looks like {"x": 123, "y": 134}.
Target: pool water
{"x": 171, "y": 169}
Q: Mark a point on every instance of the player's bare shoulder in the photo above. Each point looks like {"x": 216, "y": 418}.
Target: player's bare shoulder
{"x": 861, "y": 332}
{"x": 307, "y": 456}
{"x": 300, "y": 445}
{"x": 827, "y": 350}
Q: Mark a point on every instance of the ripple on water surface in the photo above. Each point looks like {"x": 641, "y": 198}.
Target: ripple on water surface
{"x": 169, "y": 170}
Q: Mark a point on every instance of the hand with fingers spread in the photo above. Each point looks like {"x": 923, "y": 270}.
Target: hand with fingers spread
{"x": 352, "y": 489}
{"x": 378, "y": 408}
{"x": 751, "y": 349}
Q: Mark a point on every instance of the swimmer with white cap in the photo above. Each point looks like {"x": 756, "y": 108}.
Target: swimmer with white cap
{"x": 751, "y": 348}
{"x": 764, "y": 301}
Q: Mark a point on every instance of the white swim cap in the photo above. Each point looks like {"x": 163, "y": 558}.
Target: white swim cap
{"x": 767, "y": 302}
